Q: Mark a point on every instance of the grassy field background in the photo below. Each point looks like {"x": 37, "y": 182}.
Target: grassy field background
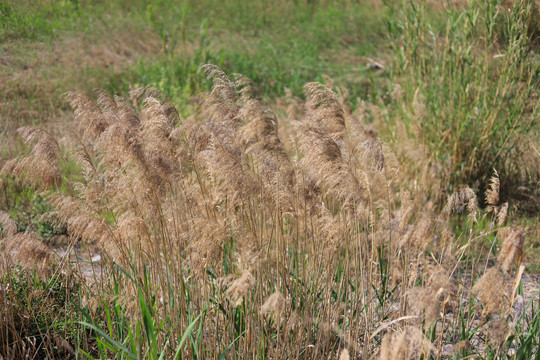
{"x": 449, "y": 92}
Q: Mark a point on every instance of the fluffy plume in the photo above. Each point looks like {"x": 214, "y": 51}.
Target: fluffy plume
{"x": 492, "y": 193}
{"x": 259, "y": 136}
{"x": 429, "y": 300}
{"x": 159, "y": 150}
{"x": 225, "y": 165}
{"x": 240, "y": 287}
{"x": 331, "y": 229}
{"x": 344, "y": 355}
{"x": 373, "y": 155}
{"x": 220, "y": 103}
{"x": 132, "y": 229}
{"x": 323, "y": 162}
{"x": 8, "y": 226}
{"x": 166, "y": 106}
{"x": 394, "y": 346}
{"x": 324, "y": 110}
{"x": 274, "y": 306}
{"x": 409, "y": 343}
{"x": 497, "y": 330}
{"x": 321, "y": 137}
{"x": 492, "y": 199}
{"x": 92, "y": 122}
{"x": 419, "y": 235}
{"x": 206, "y": 245}
{"x": 512, "y": 246}
{"x": 41, "y": 168}
{"x": 82, "y": 153}
{"x": 27, "y": 249}
{"x": 458, "y": 348}
{"x": 502, "y": 214}
{"x": 246, "y": 88}
{"x": 491, "y": 291}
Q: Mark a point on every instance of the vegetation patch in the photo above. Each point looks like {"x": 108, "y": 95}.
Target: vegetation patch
{"x": 269, "y": 180}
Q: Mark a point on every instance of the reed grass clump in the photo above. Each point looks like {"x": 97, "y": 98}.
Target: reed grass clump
{"x": 219, "y": 239}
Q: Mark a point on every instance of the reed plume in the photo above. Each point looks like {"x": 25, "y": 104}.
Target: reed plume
{"x": 492, "y": 193}
{"x": 491, "y": 291}
{"x": 28, "y": 250}
{"x": 7, "y": 224}
{"x": 274, "y": 306}
{"x": 461, "y": 200}
{"x": 239, "y": 288}
{"x": 321, "y": 140}
{"x": 512, "y": 247}
{"x": 41, "y": 168}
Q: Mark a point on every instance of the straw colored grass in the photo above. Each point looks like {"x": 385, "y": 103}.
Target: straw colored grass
{"x": 219, "y": 238}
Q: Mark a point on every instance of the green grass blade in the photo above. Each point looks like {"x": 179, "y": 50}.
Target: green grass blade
{"x": 189, "y": 331}
{"x": 110, "y": 340}
{"x": 149, "y": 327}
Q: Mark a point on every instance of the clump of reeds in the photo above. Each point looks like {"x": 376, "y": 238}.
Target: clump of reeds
{"x": 214, "y": 227}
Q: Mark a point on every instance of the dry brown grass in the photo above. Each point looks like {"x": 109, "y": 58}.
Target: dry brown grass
{"x": 305, "y": 246}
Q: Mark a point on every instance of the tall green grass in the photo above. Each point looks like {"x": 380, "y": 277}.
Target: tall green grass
{"x": 470, "y": 84}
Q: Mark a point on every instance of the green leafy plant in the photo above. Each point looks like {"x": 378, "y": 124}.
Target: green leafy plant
{"x": 469, "y": 82}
